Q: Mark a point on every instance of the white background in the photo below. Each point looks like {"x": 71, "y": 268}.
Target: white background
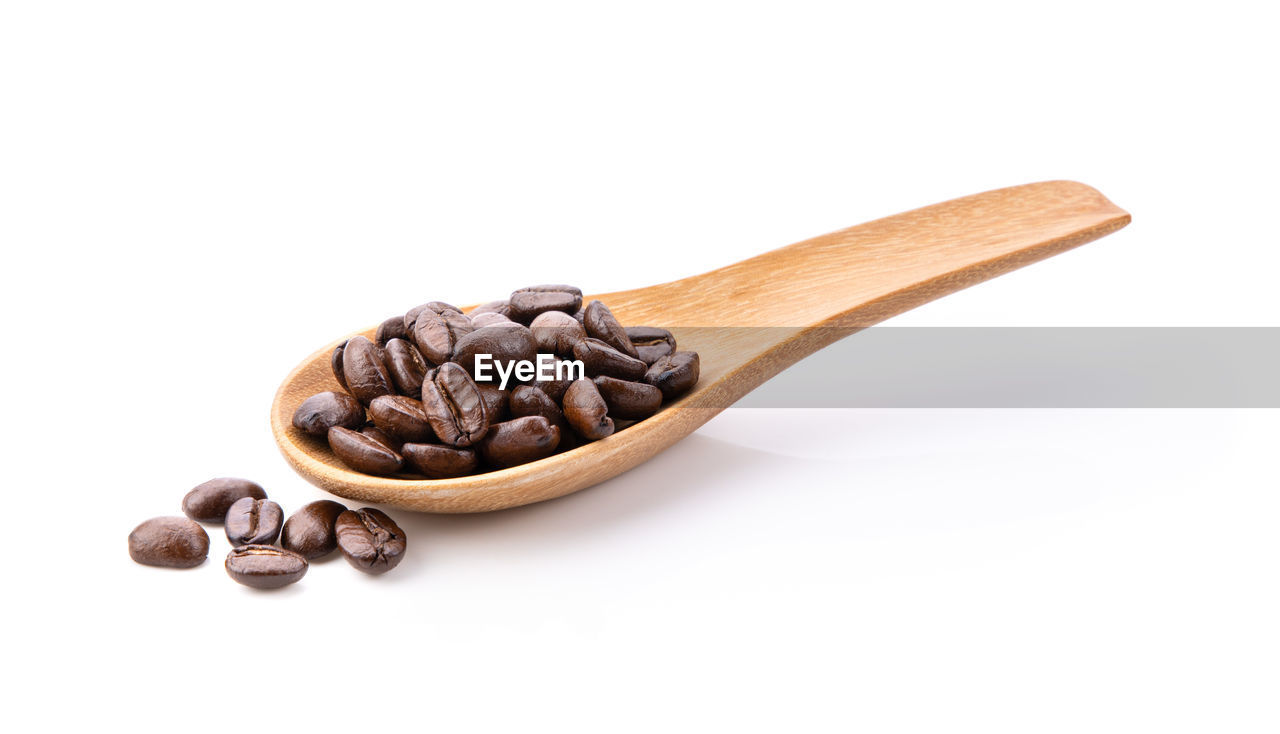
{"x": 193, "y": 197}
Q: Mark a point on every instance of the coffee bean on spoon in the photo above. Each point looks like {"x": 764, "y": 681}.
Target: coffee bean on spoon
{"x": 586, "y": 410}
{"x": 406, "y": 366}
{"x": 525, "y": 304}
{"x": 362, "y": 453}
{"x": 401, "y": 418}
{"x": 369, "y": 540}
{"x": 527, "y": 400}
{"x": 377, "y": 434}
{"x": 674, "y": 374}
{"x": 310, "y": 532}
{"x": 365, "y": 371}
{"x": 600, "y": 324}
{"x": 556, "y": 332}
{"x": 436, "y": 307}
{"x": 335, "y": 364}
{"x": 499, "y": 307}
{"x": 253, "y": 522}
{"x": 651, "y": 343}
{"x": 495, "y": 401}
{"x": 454, "y": 406}
{"x": 392, "y": 328}
{"x": 628, "y": 400}
{"x": 519, "y": 441}
{"x": 209, "y": 501}
{"x": 482, "y": 320}
{"x": 437, "y": 335}
{"x": 503, "y": 343}
{"x": 601, "y": 359}
{"x": 172, "y": 542}
{"x": 265, "y": 566}
{"x": 323, "y": 411}
{"x": 439, "y": 462}
{"x": 556, "y": 386}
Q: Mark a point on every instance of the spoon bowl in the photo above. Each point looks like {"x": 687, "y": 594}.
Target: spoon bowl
{"x": 748, "y": 321}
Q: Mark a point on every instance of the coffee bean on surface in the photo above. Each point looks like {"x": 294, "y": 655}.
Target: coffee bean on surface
{"x": 364, "y": 369}
{"x": 369, "y": 540}
{"x": 401, "y": 418}
{"x": 674, "y": 374}
{"x": 434, "y": 461}
{"x": 209, "y": 501}
{"x": 525, "y": 304}
{"x": 600, "y": 324}
{"x": 310, "y": 532}
{"x": 586, "y": 410}
{"x": 253, "y": 522}
{"x": 265, "y": 566}
{"x": 519, "y": 441}
{"x": 629, "y": 400}
{"x": 601, "y": 359}
{"x": 172, "y": 542}
{"x": 323, "y": 411}
{"x": 377, "y": 434}
{"x": 362, "y": 453}
{"x": 651, "y": 343}
{"x": 406, "y": 366}
{"x": 454, "y": 406}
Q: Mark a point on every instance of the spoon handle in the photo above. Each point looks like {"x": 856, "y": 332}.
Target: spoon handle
{"x": 862, "y": 275}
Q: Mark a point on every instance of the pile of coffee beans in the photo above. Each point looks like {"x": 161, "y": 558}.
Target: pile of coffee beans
{"x": 367, "y": 538}
{"x": 438, "y": 393}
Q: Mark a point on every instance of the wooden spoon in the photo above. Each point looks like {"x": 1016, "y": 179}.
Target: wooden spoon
{"x": 799, "y": 299}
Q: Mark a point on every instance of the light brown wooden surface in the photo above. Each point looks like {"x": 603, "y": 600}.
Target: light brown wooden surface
{"x": 799, "y": 298}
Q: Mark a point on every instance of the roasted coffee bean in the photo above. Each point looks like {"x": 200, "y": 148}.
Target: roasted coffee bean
{"x": 600, "y": 324}
{"x": 265, "y": 566}
{"x": 309, "y": 532}
{"x": 174, "y": 542}
{"x": 252, "y": 522}
{"x": 503, "y": 343}
{"x": 323, "y": 411}
{"x": 437, "y": 307}
{"x": 437, "y": 335}
{"x": 439, "y": 462}
{"x": 586, "y": 411}
{"x": 362, "y": 453}
{"x": 364, "y": 370}
{"x": 480, "y": 321}
{"x": 651, "y": 342}
{"x": 495, "y": 401}
{"x": 392, "y": 328}
{"x": 629, "y": 400}
{"x": 527, "y": 400}
{"x": 406, "y": 367}
{"x": 556, "y": 332}
{"x": 674, "y": 374}
{"x": 401, "y": 418}
{"x": 519, "y": 441}
{"x": 377, "y": 434}
{"x": 527, "y": 303}
{"x": 556, "y": 386}
{"x": 601, "y": 359}
{"x": 491, "y": 307}
{"x": 335, "y": 364}
{"x": 369, "y": 540}
{"x": 209, "y": 502}
{"x": 455, "y": 406}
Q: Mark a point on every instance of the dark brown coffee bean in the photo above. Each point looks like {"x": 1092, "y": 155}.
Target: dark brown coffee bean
{"x": 174, "y": 542}
{"x": 209, "y": 502}
{"x": 495, "y": 401}
{"x": 392, "y": 328}
{"x": 651, "y": 343}
{"x": 503, "y": 343}
{"x": 480, "y": 321}
{"x": 437, "y": 307}
{"x": 674, "y": 374}
{"x": 437, "y": 335}
{"x": 309, "y": 532}
{"x": 379, "y": 435}
{"x": 629, "y": 400}
{"x": 406, "y": 367}
{"x": 364, "y": 370}
{"x": 562, "y": 376}
{"x": 362, "y": 453}
{"x": 527, "y": 400}
{"x": 369, "y": 540}
{"x": 491, "y": 307}
{"x": 440, "y": 462}
{"x": 455, "y": 406}
{"x": 253, "y": 522}
{"x": 601, "y": 359}
{"x": 265, "y": 566}
{"x": 586, "y": 411}
{"x": 519, "y": 441}
{"x": 401, "y": 418}
{"x": 556, "y": 332}
{"x": 600, "y": 324}
{"x": 335, "y": 364}
{"x": 527, "y": 303}
{"x": 323, "y": 411}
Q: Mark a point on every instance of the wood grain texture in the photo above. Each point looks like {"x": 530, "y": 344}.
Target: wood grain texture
{"x": 798, "y": 298}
